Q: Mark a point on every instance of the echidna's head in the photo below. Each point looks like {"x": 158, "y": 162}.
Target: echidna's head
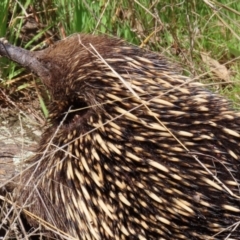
{"x": 88, "y": 72}
{"x": 74, "y": 61}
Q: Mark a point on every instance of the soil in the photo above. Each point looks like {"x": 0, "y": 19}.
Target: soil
{"x": 19, "y": 135}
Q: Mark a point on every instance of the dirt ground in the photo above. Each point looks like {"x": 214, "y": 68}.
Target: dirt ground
{"x": 19, "y": 134}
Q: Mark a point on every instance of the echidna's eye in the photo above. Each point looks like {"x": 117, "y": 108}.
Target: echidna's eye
{"x": 73, "y": 110}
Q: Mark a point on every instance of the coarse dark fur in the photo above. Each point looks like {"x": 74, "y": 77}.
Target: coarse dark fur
{"x": 133, "y": 150}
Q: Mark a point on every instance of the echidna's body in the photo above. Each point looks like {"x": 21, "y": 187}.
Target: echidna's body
{"x": 152, "y": 157}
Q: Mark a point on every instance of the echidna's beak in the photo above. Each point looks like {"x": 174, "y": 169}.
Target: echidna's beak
{"x": 24, "y": 57}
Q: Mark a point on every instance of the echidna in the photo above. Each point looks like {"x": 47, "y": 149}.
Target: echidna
{"x": 133, "y": 150}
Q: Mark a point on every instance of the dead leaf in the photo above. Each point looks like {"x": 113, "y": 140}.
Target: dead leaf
{"x": 218, "y": 69}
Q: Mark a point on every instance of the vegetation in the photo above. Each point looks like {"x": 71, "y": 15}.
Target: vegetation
{"x": 202, "y": 36}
